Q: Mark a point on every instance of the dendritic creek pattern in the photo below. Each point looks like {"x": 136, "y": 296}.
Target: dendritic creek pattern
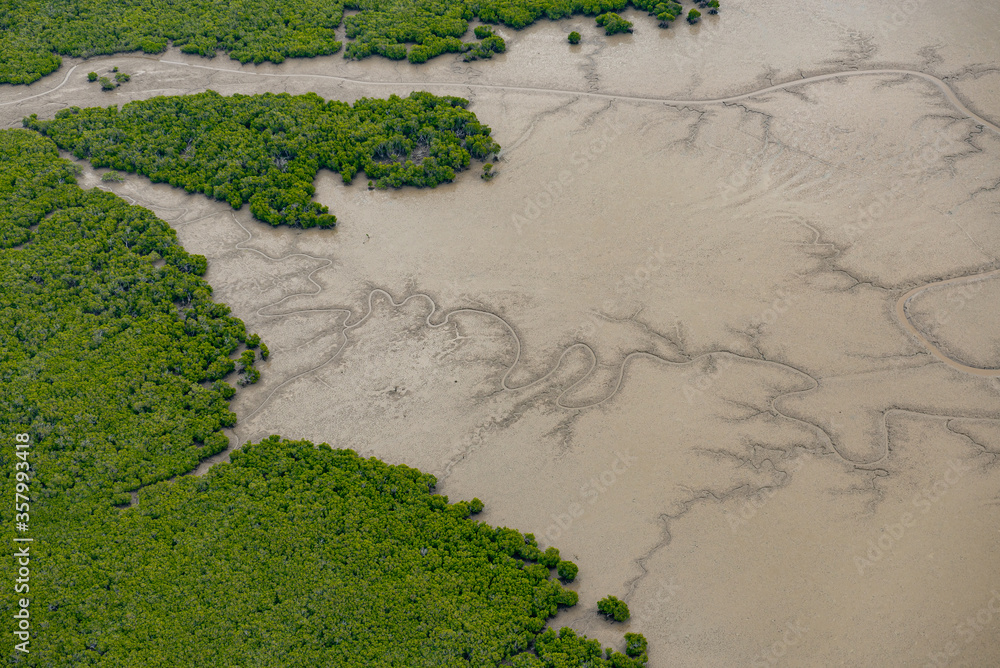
{"x": 715, "y": 332}
{"x": 114, "y": 363}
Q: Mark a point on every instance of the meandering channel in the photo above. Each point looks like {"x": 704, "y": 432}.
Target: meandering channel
{"x": 934, "y": 350}
{"x": 940, "y": 84}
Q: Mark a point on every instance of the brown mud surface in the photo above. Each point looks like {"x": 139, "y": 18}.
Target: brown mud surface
{"x": 668, "y": 337}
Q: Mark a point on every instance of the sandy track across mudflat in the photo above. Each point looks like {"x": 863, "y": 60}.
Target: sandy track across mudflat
{"x": 942, "y": 86}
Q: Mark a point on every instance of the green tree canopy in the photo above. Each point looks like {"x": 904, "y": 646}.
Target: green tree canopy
{"x": 113, "y": 359}
{"x": 35, "y": 34}
{"x": 613, "y": 608}
{"x": 266, "y": 149}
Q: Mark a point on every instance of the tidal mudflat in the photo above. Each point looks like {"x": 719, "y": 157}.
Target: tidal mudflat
{"x": 723, "y": 328}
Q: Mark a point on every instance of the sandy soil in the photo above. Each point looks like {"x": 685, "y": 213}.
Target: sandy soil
{"x": 959, "y": 320}
{"x": 666, "y": 338}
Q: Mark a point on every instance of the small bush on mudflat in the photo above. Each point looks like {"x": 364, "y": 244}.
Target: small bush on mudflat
{"x": 613, "y": 24}
{"x": 612, "y": 607}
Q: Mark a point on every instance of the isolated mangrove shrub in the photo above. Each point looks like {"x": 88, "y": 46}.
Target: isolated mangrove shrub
{"x": 614, "y": 608}
{"x": 254, "y": 342}
{"x": 613, "y": 23}
{"x": 693, "y": 16}
{"x": 567, "y": 571}
{"x": 265, "y": 150}
{"x": 92, "y": 76}
{"x": 112, "y": 176}
{"x": 574, "y": 37}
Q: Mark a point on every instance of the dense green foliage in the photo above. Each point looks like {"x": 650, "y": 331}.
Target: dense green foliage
{"x": 112, "y": 355}
{"x": 385, "y": 27}
{"x": 613, "y": 24}
{"x": 293, "y": 555}
{"x": 34, "y": 34}
{"x": 567, "y": 570}
{"x": 250, "y": 30}
{"x": 114, "y": 364}
{"x": 574, "y": 37}
{"x": 485, "y": 49}
{"x": 614, "y": 608}
{"x": 666, "y": 12}
{"x": 636, "y": 646}
{"x": 266, "y": 149}
{"x": 565, "y": 649}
